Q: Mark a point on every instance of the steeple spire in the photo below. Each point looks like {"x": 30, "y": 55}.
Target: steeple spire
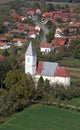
{"x": 31, "y": 50}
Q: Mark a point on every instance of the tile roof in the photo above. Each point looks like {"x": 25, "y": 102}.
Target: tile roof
{"x": 18, "y": 39}
{"x": 46, "y": 14}
{"x": 58, "y": 41}
{"x": 46, "y": 68}
{"x": 3, "y": 38}
{"x": 40, "y": 67}
{"x": 2, "y": 43}
{"x": 62, "y": 72}
{"x": 45, "y": 45}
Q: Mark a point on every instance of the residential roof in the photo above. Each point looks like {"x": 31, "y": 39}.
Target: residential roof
{"x": 45, "y": 45}
{"x": 46, "y": 14}
{"x": 19, "y": 43}
{"x": 31, "y": 50}
{"x": 58, "y": 41}
{"x": 62, "y": 72}
{"x": 18, "y": 39}
{"x": 2, "y": 43}
{"x": 47, "y": 68}
{"x": 2, "y": 38}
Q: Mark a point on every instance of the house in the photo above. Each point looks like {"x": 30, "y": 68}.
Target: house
{"x": 4, "y": 46}
{"x": 59, "y": 32}
{"x": 48, "y": 70}
{"x": 31, "y": 13}
{"x": 60, "y": 42}
{"x": 18, "y": 43}
{"x": 38, "y": 11}
{"x": 48, "y": 15}
{"x": 3, "y": 39}
{"x": 46, "y": 47}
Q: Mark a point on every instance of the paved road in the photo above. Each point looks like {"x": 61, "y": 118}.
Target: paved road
{"x": 45, "y": 30}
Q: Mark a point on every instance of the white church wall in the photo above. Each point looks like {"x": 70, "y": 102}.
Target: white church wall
{"x": 59, "y": 80}
{"x": 30, "y": 65}
{"x": 63, "y": 80}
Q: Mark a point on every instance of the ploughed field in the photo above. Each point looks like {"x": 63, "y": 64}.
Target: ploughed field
{"x": 39, "y": 117}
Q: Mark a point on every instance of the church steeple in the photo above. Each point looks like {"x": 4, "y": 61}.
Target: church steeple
{"x": 30, "y": 60}
{"x": 31, "y": 50}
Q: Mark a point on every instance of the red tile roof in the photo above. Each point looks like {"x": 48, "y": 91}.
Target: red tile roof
{"x": 45, "y": 45}
{"x": 18, "y": 39}
{"x": 62, "y": 72}
{"x": 2, "y": 44}
{"x": 48, "y": 14}
{"x": 6, "y": 23}
{"x": 58, "y": 41}
{"x": 3, "y": 38}
{"x": 40, "y": 67}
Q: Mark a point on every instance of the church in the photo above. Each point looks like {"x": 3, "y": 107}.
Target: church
{"x": 48, "y": 70}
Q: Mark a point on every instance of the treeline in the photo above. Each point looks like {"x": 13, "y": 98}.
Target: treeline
{"x": 66, "y": 1}
{"x": 19, "y": 91}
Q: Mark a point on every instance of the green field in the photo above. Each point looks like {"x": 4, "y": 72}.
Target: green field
{"x": 38, "y": 117}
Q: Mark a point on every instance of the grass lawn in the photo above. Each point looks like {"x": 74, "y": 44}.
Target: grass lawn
{"x": 39, "y": 117}
{"x": 70, "y": 62}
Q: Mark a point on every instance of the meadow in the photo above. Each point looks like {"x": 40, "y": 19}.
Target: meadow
{"x": 39, "y": 117}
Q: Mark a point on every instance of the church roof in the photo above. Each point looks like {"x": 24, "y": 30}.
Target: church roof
{"x": 31, "y": 50}
{"x": 51, "y": 69}
{"x": 47, "y": 68}
{"x": 62, "y": 72}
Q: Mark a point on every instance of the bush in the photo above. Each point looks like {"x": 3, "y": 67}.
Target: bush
{"x": 1, "y": 120}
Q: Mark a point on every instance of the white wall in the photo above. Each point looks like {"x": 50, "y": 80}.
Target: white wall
{"x": 59, "y": 80}
{"x": 30, "y": 64}
{"x": 45, "y": 50}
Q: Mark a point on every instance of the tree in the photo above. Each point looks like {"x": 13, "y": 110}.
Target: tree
{"x": 36, "y": 5}
{"x": 12, "y": 62}
{"x": 50, "y": 36}
{"x": 40, "y": 87}
{"x": 43, "y": 3}
{"x": 4, "y": 68}
{"x": 21, "y": 89}
{"x": 49, "y": 7}
{"x": 74, "y": 49}
{"x": 46, "y": 91}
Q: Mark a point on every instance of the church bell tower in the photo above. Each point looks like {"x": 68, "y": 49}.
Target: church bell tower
{"x": 30, "y": 60}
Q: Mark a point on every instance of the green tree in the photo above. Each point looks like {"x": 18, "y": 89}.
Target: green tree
{"x": 40, "y": 87}
{"x": 74, "y": 49}
{"x": 12, "y": 62}
{"x": 49, "y": 7}
{"x": 21, "y": 89}
{"x": 36, "y": 5}
{"x": 50, "y": 36}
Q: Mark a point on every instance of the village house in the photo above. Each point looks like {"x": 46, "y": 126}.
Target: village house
{"x": 59, "y": 32}
{"x": 60, "y": 42}
{"x": 48, "y": 70}
{"x": 46, "y": 47}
